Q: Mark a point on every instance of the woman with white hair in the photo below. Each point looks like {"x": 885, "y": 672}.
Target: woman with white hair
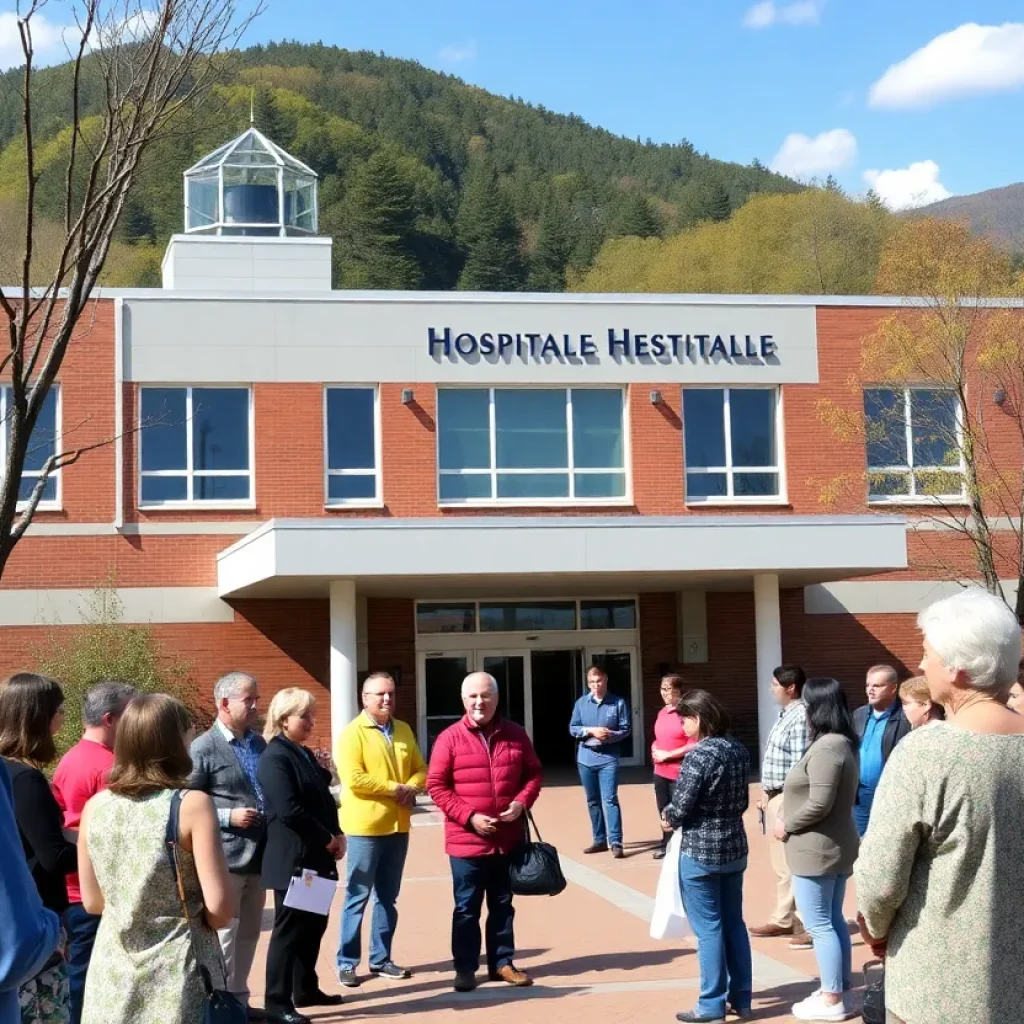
{"x": 302, "y": 834}
{"x": 938, "y": 866}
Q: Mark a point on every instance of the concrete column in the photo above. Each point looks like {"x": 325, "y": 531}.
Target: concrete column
{"x": 768, "y": 632}
{"x": 344, "y": 656}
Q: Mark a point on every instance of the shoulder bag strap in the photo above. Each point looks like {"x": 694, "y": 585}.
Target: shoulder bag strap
{"x": 172, "y": 838}
{"x": 531, "y": 828}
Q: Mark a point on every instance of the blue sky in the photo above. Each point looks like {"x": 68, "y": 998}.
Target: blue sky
{"x": 927, "y": 94}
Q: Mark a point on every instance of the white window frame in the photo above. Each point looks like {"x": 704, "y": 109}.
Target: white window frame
{"x": 910, "y": 470}
{"x": 377, "y": 501}
{"x": 729, "y": 470}
{"x": 493, "y": 472}
{"x": 189, "y": 472}
{"x": 57, "y": 475}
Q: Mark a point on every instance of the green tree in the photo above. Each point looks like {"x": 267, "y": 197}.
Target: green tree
{"x": 635, "y": 217}
{"x": 551, "y": 257}
{"x": 104, "y": 647}
{"x": 379, "y": 234}
{"x": 488, "y": 233}
{"x": 717, "y": 200}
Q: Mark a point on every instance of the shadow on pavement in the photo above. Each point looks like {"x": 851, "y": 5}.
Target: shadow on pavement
{"x": 609, "y": 962}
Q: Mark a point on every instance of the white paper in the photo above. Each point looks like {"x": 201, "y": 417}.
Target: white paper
{"x": 311, "y": 892}
{"x": 669, "y": 919}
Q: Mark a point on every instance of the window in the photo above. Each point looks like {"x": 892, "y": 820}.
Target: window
{"x": 524, "y": 616}
{"x": 913, "y": 444}
{"x": 531, "y": 444}
{"x": 352, "y": 457}
{"x": 731, "y": 443}
{"x": 607, "y": 615}
{"x": 196, "y": 446}
{"x": 527, "y": 616}
{"x": 41, "y": 445}
{"x": 446, "y": 618}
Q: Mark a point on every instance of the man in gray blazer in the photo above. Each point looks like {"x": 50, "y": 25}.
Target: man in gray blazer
{"x": 224, "y": 763}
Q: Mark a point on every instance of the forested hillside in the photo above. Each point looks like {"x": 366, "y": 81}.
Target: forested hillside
{"x": 426, "y": 182}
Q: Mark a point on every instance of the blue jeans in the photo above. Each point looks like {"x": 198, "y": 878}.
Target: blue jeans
{"x": 375, "y": 863}
{"x": 820, "y": 903}
{"x": 81, "y": 927}
{"x": 601, "y": 785}
{"x": 473, "y": 878}
{"x": 713, "y": 900}
{"x": 862, "y": 809}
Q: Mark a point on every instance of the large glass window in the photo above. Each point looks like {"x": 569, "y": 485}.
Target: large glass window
{"x": 913, "y": 444}
{"x": 731, "y": 444}
{"x": 524, "y": 616}
{"x": 353, "y": 476}
{"x": 42, "y": 445}
{"x": 530, "y": 444}
{"x": 195, "y": 446}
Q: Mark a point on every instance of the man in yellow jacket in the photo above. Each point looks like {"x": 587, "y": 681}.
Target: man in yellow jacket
{"x": 381, "y": 771}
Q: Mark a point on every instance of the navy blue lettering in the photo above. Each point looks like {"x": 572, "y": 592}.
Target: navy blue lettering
{"x": 533, "y": 339}
{"x": 567, "y": 349}
{"x": 733, "y": 347}
{"x": 767, "y": 345}
{"x": 588, "y": 347}
{"x": 550, "y": 347}
{"x": 504, "y": 342}
{"x": 701, "y": 339}
{"x": 465, "y": 344}
{"x": 718, "y": 346}
{"x": 618, "y": 343}
{"x": 487, "y": 344}
{"x": 751, "y": 347}
{"x": 658, "y": 347}
{"x": 640, "y": 345}
{"x": 676, "y": 340}
{"x": 444, "y": 340}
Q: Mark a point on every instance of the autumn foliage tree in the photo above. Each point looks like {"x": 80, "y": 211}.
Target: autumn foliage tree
{"x": 955, "y": 348}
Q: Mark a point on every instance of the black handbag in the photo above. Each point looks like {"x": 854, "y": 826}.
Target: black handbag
{"x": 535, "y": 869}
{"x": 219, "y": 1006}
{"x": 873, "y": 1011}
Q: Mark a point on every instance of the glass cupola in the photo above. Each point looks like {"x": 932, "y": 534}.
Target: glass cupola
{"x": 250, "y": 186}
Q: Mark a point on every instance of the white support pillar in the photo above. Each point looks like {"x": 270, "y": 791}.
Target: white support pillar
{"x": 768, "y": 632}
{"x": 344, "y": 657}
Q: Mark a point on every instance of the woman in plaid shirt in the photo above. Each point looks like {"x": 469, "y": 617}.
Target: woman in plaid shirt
{"x": 707, "y": 805}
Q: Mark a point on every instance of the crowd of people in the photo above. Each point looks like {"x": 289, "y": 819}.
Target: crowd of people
{"x": 135, "y": 881}
{"x": 917, "y": 796}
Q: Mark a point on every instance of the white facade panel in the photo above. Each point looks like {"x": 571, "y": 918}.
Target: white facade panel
{"x": 884, "y": 597}
{"x": 532, "y": 340}
{"x": 139, "y": 605}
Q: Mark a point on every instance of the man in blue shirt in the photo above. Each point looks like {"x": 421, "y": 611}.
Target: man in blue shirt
{"x": 880, "y": 724}
{"x": 600, "y": 722}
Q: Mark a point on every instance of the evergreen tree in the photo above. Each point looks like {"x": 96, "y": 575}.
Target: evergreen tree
{"x": 266, "y": 118}
{"x": 635, "y": 217}
{"x": 547, "y": 268}
{"x": 717, "y": 201}
{"x": 381, "y": 217}
{"x": 488, "y": 233}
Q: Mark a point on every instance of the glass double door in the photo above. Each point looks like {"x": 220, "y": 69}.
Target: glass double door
{"x": 537, "y": 689}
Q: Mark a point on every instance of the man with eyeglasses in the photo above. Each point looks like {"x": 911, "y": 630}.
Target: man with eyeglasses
{"x": 381, "y": 772}
{"x": 224, "y": 760}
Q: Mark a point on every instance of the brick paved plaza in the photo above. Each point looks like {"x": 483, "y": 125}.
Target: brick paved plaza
{"x": 587, "y": 949}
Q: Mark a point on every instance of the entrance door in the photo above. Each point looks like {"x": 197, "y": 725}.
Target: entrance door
{"x": 509, "y": 669}
{"x": 556, "y": 682}
{"x": 442, "y": 675}
{"x": 618, "y": 664}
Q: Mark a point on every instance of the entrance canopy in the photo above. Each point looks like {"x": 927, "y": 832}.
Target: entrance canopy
{"x": 445, "y": 556}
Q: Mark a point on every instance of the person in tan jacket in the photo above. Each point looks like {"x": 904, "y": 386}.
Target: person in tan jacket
{"x": 821, "y": 841}
{"x": 381, "y": 772}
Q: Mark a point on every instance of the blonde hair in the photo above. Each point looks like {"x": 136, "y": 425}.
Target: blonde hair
{"x": 284, "y": 704}
{"x": 916, "y": 689}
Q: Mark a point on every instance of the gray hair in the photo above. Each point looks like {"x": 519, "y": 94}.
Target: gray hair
{"x": 976, "y": 633}
{"x": 229, "y": 685}
{"x": 107, "y": 697}
{"x": 891, "y": 675}
{"x": 377, "y": 675}
{"x": 479, "y": 677}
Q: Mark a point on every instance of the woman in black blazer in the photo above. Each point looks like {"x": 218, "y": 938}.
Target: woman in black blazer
{"x": 302, "y": 833}
{"x": 31, "y": 713}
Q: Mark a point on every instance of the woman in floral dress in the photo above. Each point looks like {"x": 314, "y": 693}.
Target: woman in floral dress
{"x": 144, "y": 967}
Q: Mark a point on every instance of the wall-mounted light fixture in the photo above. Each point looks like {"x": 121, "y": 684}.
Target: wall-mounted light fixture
{"x": 656, "y": 398}
{"x": 407, "y": 396}
{"x": 999, "y": 397}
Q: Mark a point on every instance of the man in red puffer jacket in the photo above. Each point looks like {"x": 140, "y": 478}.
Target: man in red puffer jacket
{"x": 484, "y": 773}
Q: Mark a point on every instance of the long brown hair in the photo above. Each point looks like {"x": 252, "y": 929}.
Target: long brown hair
{"x": 150, "y": 753}
{"x": 28, "y": 703}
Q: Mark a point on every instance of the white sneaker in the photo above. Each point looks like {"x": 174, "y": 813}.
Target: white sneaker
{"x": 814, "y": 1007}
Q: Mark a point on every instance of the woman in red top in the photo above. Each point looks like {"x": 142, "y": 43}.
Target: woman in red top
{"x": 669, "y": 747}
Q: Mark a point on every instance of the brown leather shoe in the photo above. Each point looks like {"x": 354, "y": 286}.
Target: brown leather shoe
{"x": 617, "y": 852}
{"x": 512, "y": 975}
{"x": 597, "y": 848}
{"x": 770, "y": 931}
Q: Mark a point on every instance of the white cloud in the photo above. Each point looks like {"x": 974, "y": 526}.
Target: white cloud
{"x": 913, "y": 186}
{"x": 971, "y": 59}
{"x": 455, "y": 53}
{"x": 800, "y": 12}
{"x": 802, "y": 156}
{"x": 48, "y": 41}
